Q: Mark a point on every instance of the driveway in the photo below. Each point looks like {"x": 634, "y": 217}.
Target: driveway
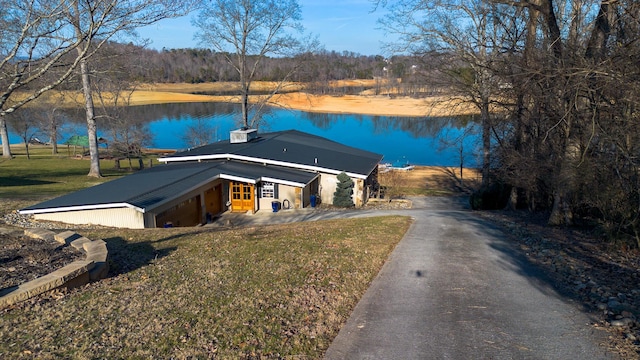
{"x": 455, "y": 288}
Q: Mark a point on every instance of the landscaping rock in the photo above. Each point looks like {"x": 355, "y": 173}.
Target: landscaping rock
{"x": 66, "y": 237}
{"x": 78, "y": 244}
{"x": 93, "y": 267}
{"x": 42, "y": 234}
{"x": 69, "y": 276}
{"x": 624, "y": 322}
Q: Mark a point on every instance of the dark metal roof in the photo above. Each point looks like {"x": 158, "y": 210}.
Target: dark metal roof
{"x": 152, "y": 187}
{"x": 291, "y": 148}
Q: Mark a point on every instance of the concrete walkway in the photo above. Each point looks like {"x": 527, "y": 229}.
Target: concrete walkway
{"x": 454, "y": 288}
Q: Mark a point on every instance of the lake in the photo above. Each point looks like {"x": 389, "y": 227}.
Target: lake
{"x": 419, "y": 141}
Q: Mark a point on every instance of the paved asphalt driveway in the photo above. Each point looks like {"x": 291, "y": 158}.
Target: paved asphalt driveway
{"x": 454, "y": 288}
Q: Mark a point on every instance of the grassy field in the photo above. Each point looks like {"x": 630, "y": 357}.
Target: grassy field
{"x": 272, "y": 291}
{"x": 256, "y": 292}
{"x": 44, "y": 175}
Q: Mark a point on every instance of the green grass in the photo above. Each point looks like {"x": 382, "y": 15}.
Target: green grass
{"x": 45, "y": 175}
{"x": 270, "y": 291}
{"x": 279, "y": 291}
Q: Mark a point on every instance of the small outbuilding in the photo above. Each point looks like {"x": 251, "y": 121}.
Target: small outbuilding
{"x": 247, "y": 173}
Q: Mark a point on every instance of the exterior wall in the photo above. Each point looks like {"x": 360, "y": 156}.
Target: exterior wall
{"x": 306, "y": 197}
{"x": 186, "y": 213}
{"x": 371, "y": 184}
{"x": 198, "y": 193}
{"x": 327, "y": 187}
{"x": 359, "y": 192}
{"x": 314, "y": 189}
{"x": 118, "y": 217}
{"x": 285, "y": 192}
{"x": 290, "y": 194}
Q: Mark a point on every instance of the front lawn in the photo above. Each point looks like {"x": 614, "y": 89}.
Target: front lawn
{"x": 268, "y": 291}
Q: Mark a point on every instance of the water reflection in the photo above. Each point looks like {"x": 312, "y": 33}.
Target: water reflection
{"x": 421, "y": 141}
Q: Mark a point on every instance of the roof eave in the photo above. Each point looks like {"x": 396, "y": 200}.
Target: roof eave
{"x": 314, "y": 168}
{"x": 80, "y": 208}
{"x": 286, "y": 182}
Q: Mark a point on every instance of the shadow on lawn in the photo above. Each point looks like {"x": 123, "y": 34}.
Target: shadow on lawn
{"x": 22, "y": 181}
{"x": 452, "y": 181}
{"x": 125, "y": 256}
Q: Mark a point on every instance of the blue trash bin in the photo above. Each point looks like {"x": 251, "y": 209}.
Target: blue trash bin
{"x": 313, "y": 201}
{"x": 275, "y": 205}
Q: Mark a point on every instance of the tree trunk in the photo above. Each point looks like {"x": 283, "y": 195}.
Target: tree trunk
{"x": 486, "y": 143}
{"x": 245, "y": 107}
{"x": 53, "y": 133}
{"x": 244, "y": 86}
{"x": 4, "y": 134}
{"x": 94, "y": 156}
{"x": 54, "y": 142}
{"x": 561, "y": 213}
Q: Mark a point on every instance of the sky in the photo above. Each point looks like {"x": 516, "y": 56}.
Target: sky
{"x": 339, "y": 25}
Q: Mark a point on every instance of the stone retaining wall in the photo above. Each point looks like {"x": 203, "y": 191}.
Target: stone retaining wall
{"x": 94, "y": 267}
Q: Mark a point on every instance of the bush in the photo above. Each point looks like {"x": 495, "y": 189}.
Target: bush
{"x": 344, "y": 190}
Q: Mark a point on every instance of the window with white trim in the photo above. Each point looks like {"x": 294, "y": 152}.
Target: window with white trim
{"x": 268, "y": 190}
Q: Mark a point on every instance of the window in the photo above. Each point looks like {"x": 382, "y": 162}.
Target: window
{"x": 268, "y": 190}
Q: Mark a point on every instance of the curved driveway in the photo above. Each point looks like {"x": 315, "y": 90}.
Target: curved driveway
{"x": 455, "y": 288}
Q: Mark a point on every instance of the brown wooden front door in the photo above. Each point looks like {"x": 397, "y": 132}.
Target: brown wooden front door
{"x": 241, "y": 196}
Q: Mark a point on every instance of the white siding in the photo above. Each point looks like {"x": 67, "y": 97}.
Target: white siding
{"x": 118, "y": 217}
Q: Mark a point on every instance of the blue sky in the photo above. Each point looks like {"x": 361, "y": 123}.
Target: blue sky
{"x": 339, "y": 24}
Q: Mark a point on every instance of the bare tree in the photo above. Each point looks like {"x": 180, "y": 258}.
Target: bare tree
{"x": 24, "y": 124}
{"x": 33, "y": 43}
{"x": 112, "y": 89}
{"x": 248, "y": 31}
{"x": 104, "y": 20}
{"x": 468, "y": 37}
{"x": 40, "y": 37}
{"x": 51, "y": 115}
{"x": 199, "y": 133}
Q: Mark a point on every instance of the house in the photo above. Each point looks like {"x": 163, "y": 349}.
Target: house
{"x": 247, "y": 173}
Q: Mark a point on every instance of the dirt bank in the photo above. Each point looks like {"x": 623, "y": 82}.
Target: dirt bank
{"x": 383, "y": 105}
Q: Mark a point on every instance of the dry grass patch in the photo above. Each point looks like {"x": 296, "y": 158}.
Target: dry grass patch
{"x": 292, "y": 95}
{"x": 430, "y": 180}
{"x": 273, "y": 291}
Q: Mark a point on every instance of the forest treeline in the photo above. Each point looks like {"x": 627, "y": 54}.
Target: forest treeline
{"x": 204, "y": 65}
{"x": 196, "y": 65}
{"x": 192, "y": 65}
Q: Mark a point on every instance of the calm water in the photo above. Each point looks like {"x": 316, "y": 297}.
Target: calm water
{"x": 420, "y": 141}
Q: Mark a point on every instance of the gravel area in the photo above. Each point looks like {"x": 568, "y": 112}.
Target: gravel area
{"x": 596, "y": 273}
{"x": 27, "y": 222}
{"x": 23, "y": 258}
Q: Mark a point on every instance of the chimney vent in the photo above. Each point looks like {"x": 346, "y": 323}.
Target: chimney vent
{"x": 243, "y": 135}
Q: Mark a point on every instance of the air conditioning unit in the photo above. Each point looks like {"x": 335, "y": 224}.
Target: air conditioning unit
{"x": 243, "y": 135}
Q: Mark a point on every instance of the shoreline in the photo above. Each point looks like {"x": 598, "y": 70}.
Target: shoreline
{"x": 364, "y": 104}
{"x": 387, "y": 103}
